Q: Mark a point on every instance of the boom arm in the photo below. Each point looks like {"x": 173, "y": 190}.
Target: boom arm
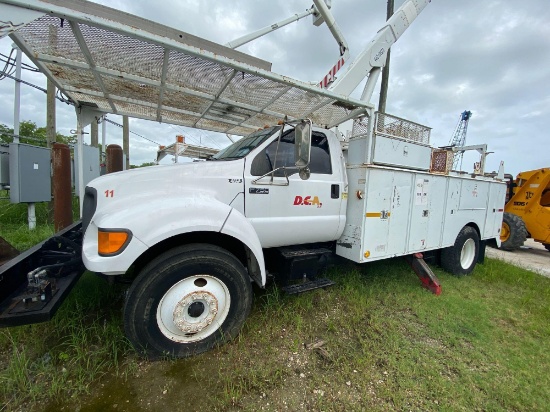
{"x": 373, "y": 58}
{"x": 259, "y": 33}
{"x": 321, "y": 9}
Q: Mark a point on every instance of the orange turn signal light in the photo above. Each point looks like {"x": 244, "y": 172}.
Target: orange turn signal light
{"x": 111, "y": 242}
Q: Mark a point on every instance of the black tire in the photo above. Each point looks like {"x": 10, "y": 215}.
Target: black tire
{"x": 176, "y": 304}
{"x": 513, "y": 232}
{"x": 547, "y": 246}
{"x": 461, "y": 258}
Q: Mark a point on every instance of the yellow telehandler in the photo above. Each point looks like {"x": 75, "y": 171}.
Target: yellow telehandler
{"x": 527, "y": 210}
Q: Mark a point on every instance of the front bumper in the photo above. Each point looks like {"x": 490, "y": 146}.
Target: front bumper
{"x": 109, "y": 265}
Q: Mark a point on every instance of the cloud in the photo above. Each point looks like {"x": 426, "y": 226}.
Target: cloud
{"x": 489, "y": 57}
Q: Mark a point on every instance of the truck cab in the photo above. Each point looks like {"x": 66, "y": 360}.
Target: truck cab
{"x": 195, "y": 233}
{"x": 252, "y": 191}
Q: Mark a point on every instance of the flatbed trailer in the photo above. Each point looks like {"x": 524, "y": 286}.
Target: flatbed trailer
{"x": 35, "y": 283}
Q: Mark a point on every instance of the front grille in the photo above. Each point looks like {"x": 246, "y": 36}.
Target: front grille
{"x": 88, "y": 209}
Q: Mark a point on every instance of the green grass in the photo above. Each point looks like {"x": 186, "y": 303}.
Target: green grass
{"x": 62, "y": 358}
{"x": 484, "y": 344}
{"x": 14, "y": 225}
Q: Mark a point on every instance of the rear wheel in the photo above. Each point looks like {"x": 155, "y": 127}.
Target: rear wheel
{"x": 187, "y": 301}
{"x": 513, "y": 232}
{"x": 461, "y": 258}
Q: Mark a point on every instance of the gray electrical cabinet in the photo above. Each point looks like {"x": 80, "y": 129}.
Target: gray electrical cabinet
{"x": 91, "y": 165}
{"x": 4, "y": 167}
{"x": 30, "y": 174}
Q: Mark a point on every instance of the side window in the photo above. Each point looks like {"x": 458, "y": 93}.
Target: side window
{"x": 320, "y": 154}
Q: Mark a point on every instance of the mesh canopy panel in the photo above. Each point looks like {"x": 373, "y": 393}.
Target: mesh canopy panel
{"x": 392, "y": 126}
{"x": 119, "y": 71}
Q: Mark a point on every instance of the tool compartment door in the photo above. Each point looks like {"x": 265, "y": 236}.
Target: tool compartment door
{"x": 495, "y": 209}
{"x": 400, "y": 212}
{"x": 379, "y": 193}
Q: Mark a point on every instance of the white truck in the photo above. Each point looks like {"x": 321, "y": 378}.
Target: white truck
{"x": 277, "y": 202}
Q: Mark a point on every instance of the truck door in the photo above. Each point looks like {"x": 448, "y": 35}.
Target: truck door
{"x": 296, "y": 211}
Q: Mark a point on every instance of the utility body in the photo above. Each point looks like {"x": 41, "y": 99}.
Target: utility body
{"x": 280, "y": 202}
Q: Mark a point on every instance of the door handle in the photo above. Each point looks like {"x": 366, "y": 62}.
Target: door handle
{"x": 334, "y": 191}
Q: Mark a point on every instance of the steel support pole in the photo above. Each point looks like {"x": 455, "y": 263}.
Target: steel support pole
{"x": 31, "y": 215}
{"x": 80, "y": 151}
{"x": 103, "y": 134}
{"x": 17, "y": 97}
{"x": 126, "y": 139}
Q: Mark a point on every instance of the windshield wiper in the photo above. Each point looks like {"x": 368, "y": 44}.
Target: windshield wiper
{"x": 230, "y": 158}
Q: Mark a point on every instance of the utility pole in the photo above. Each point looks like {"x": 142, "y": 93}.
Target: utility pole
{"x": 51, "y": 134}
{"x": 386, "y": 69}
{"x": 126, "y": 140}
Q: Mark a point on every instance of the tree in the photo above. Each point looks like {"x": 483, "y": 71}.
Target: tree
{"x": 143, "y": 165}
{"x": 30, "y": 133}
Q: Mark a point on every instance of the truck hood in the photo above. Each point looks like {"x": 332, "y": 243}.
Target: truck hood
{"x": 222, "y": 180}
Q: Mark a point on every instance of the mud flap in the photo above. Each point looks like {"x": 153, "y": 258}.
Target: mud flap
{"x": 481, "y": 254}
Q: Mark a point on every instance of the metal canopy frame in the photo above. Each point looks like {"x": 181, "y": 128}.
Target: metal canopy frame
{"x": 117, "y": 63}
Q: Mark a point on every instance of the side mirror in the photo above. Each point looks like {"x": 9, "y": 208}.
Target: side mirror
{"x": 302, "y": 144}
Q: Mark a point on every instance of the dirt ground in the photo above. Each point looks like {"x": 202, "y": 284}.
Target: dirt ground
{"x": 532, "y": 256}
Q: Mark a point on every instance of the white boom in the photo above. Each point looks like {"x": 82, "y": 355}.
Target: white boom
{"x": 371, "y": 61}
{"x": 321, "y": 14}
{"x": 262, "y": 32}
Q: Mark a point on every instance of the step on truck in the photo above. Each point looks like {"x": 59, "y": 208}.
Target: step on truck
{"x": 282, "y": 201}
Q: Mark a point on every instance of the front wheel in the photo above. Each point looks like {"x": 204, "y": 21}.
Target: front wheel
{"x": 513, "y": 232}
{"x": 461, "y": 258}
{"x": 187, "y": 301}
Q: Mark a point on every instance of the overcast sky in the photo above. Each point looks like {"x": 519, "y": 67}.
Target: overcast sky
{"x": 489, "y": 57}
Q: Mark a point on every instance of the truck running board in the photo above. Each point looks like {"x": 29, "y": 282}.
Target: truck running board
{"x": 307, "y": 286}
{"x": 424, "y": 273}
{"x": 34, "y": 284}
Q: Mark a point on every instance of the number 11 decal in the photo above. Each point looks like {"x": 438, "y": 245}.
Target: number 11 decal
{"x": 109, "y": 193}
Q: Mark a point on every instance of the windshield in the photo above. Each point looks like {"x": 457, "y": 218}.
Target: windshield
{"x": 242, "y": 147}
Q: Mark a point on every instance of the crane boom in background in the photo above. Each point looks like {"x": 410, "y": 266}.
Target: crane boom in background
{"x": 459, "y": 137}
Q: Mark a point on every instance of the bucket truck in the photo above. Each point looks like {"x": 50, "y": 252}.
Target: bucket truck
{"x": 278, "y": 203}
